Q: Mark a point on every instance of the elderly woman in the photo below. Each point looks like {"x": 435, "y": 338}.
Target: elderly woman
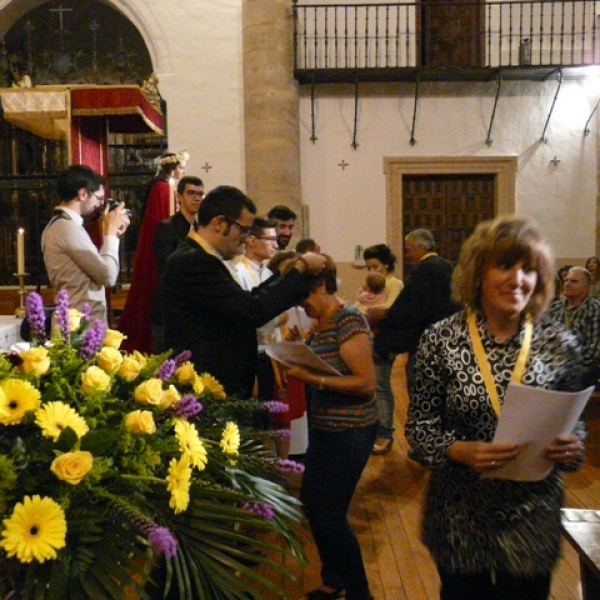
{"x": 343, "y": 420}
{"x": 381, "y": 259}
{"x": 491, "y": 538}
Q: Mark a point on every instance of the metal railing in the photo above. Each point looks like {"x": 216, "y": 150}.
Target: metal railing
{"x": 381, "y": 36}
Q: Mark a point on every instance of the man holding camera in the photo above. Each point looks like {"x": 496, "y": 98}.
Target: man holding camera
{"x": 72, "y": 260}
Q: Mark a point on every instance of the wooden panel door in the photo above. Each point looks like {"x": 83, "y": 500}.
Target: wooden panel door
{"x": 450, "y": 206}
{"x": 452, "y": 33}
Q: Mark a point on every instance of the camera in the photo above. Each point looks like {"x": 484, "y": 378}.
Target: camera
{"x": 112, "y": 204}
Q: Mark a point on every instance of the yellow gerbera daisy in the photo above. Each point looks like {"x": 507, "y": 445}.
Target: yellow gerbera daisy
{"x": 213, "y": 386}
{"x": 54, "y": 417}
{"x": 36, "y": 529}
{"x": 19, "y": 397}
{"x": 230, "y": 441}
{"x": 178, "y": 483}
{"x": 190, "y": 443}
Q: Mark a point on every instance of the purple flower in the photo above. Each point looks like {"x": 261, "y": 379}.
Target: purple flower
{"x": 62, "y": 313}
{"x": 36, "y": 316}
{"x": 276, "y": 406}
{"x": 182, "y": 357}
{"x": 282, "y": 434}
{"x": 167, "y": 369}
{"x": 260, "y": 509}
{"x": 92, "y": 340}
{"x": 188, "y": 406}
{"x": 289, "y": 466}
{"x": 87, "y": 312}
{"x": 162, "y": 540}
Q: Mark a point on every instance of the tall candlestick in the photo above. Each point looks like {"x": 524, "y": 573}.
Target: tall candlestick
{"x": 20, "y": 251}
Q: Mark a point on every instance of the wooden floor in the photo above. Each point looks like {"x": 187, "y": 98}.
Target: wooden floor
{"x": 385, "y": 514}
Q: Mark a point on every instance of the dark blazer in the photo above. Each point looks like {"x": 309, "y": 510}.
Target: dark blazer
{"x": 424, "y": 300}
{"x": 169, "y": 234}
{"x": 207, "y": 312}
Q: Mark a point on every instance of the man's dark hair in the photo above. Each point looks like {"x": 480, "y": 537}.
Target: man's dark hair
{"x": 281, "y": 213}
{"x": 306, "y": 245}
{"x": 188, "y": 180}
{"x": 260, "y": 224}
{"x": 75, "y": 177}
{"x": 224, "y": 200}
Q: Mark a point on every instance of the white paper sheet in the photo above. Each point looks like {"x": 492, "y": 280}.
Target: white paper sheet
{"x": 298, "y": 353}
{"x": 533, "y": 417}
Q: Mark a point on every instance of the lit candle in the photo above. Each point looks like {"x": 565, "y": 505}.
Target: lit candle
{"x": 21, "y": 252}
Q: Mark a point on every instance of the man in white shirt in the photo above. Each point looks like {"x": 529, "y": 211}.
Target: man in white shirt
{"x": 251, "y": 271}
{"x": 72, "y": 260}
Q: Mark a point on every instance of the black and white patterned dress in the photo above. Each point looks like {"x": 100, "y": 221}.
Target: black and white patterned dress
{"x": 473, "y": 525}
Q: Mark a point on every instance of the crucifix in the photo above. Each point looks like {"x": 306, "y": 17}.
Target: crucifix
{"x": 343, "y": 164}
{"x": 60, "y": 10}
{"x": 206, "y": 167}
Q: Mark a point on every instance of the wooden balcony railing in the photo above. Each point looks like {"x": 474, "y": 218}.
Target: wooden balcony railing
{"x": 444, "y": 40}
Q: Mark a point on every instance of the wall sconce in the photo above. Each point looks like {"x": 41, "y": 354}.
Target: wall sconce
{"x": 359, "y": 260}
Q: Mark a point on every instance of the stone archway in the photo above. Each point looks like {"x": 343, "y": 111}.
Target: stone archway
{"x": 504, "y": 168}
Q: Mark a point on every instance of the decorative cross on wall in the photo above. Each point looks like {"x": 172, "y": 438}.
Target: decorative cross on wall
{"x": 60, "y": 10}
{"x": 206, "y": 167}
{"x": 343, "y": 164}
{"x": 555, "y": 161}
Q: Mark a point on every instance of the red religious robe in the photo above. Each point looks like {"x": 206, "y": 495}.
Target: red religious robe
{"x": 135, "y": 321}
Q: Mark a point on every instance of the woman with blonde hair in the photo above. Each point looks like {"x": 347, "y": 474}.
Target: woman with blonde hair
{"x": 492, "y": 538}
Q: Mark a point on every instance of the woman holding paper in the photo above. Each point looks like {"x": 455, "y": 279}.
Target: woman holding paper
{"x": 491, "y": 538}
{"x": 343, "y": 420}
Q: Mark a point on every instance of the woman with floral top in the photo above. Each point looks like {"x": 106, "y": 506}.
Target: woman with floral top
{"x": 492, "y": 538}
{"x": 343, "y": 417}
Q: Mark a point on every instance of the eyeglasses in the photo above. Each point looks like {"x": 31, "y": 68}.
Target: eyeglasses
{"x": 194, "y": 193}
{"x": 244, "y": 230}
{"x": 101, "y": 198}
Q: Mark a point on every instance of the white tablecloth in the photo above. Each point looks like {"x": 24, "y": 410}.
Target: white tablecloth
{"x": 9, "y": 331}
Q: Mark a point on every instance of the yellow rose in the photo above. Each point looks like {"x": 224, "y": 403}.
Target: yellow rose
{"x": 139, "y": 357}
{"x": 113, "y": 338}
{"x": 109, "y": 359}
{"x": 149, "y": 392}
{"x": 72, "y": 467}
{"x": 129, "y": 369}
{"x": 140, "y": 421}
{"x": 35, "y": 361}
{"x": 170, "y": 397}
{"x": 74, "y": 319}
{"x": 95, "y": 380}
{"x": 186, "y": 373}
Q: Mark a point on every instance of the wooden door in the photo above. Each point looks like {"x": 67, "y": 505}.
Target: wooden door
{"x": 450, "y": 206}
{"x": 452, "y": 33}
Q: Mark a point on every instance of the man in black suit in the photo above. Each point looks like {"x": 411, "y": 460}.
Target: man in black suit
{"x": 424, "y": 300}
{"x": 205, "y": 309}
{"x": 169, "y": 234}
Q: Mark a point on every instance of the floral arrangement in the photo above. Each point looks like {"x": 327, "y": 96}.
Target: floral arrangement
{"x": 130, "y": 475}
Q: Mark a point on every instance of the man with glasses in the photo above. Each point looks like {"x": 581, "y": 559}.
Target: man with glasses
{"x": 261, "y": 246}
{"x": 169, "y": 234}
{"x": 205, "y": 309}
{"x": 72, "y": 260}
